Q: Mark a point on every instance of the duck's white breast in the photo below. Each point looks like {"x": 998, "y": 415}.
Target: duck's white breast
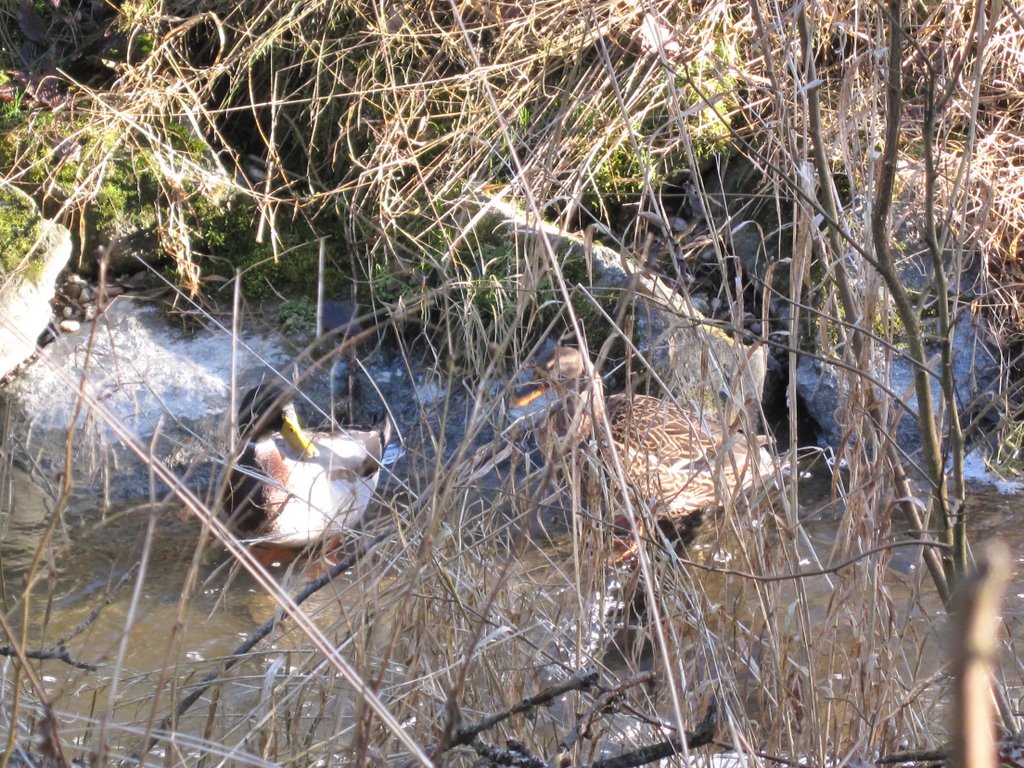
{"x": 326, "y": 495}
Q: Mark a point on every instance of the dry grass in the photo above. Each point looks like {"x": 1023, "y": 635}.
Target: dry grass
{"x": 378, "y": 127}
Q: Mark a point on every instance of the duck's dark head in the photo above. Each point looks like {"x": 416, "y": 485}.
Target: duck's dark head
{"x": 268, "y": 408}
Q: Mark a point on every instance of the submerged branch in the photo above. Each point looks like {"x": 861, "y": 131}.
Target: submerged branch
{"x": 47, "y": 654}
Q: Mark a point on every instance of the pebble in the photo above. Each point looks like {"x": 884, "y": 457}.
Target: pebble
{"x": 73, "y": 288}
{"x": 678, "y": 225}
{"x": 141, "y": 279}
{"x": 90, "y": 312}
{"x": 69, "y": 326}
{"x": 85, "y": 295}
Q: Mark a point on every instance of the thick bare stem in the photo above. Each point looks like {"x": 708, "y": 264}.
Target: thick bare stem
{"x": 974, "y": 648}
{"x": 905, "y": 307}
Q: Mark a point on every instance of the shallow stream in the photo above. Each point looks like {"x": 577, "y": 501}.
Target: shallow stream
{"x": 86, "y": 591}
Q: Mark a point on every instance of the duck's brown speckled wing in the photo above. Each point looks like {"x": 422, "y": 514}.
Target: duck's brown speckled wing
{"x": 679, "y": 462}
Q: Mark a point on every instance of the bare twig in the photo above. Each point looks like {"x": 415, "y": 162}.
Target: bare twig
{"x": 700, "y": 736}
{"x": 57, "y": 654}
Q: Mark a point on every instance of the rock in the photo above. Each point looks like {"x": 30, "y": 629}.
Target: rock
{"x": 73, "y": 285}
{"x": 976, "y": 376}
{"x": 140, "y": 280}
{"x": 70, "y": 326}
{"x": 748, "y": 246}
{"x": 33, "y": 251}
{"x": 167, "y": 389}
{"x": 818, "y": 387}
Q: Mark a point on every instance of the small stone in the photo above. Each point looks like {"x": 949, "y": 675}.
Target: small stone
{"x": 90, "y": 313}
{"x": 68, "y": 312}
{"x": 85, "y": 295}
{"x": 678, "y": 225}
{"x": 114, "y": 290}
{"x": 700, "y": 304}
{"x": 429, "y": 393}
{"x": 137, "y": 281}
{"x": 69, "y": 326}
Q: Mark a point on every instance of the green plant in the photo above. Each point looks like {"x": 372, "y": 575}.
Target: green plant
{"x": 297, "y": 315}
{"x": 11, "y": 111}
{"x": 20, "y": 229}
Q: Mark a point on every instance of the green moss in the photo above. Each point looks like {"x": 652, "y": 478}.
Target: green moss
{"x": 182, "y": 138}
{"x": 297, "y": 315}
{"x": 144, "y": 45}
{"x": 710, "y": 98}
{"x": 227, "y": 229}
{"x": 591, "y": 308}
{"x": 20, "y": 229}
{"x": 125, "y": 203}
{"x": 887, "y": 323}
{"x": 385, "y": 283}
{"x": 620, "y": 169}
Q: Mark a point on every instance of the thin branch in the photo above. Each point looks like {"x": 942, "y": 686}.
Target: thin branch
{"x": 818, "y": 571}
{"x": 47, "y": 654}
{"x": 702, "y": 735}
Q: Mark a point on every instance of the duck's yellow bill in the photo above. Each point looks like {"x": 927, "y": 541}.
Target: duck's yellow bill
{"x": 296, "y": 437}
{"x": 529, "y": 397}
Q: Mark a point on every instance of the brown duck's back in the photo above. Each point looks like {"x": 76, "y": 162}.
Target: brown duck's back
{"x": 679, "y": 460}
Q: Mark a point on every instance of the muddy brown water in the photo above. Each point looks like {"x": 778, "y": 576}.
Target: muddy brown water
{"x": 86, "y": 591}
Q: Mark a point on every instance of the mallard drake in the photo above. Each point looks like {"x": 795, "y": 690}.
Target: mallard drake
{"x": 292, "y": 488}
{"x": 678, "y": 461}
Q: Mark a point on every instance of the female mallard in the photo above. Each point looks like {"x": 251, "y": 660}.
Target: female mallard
{"x": 679, "y": 462}
{"x": 292, "y": 488}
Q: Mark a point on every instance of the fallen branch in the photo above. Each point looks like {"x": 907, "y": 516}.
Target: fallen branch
{"x": 47, "y": 654}
{"x": 604, "y": 704}
{"x": 701, "y": 736}
{"x": 515, "y": 754}
{"x": 59, "y": 652}
{"x": 580, "y": 682}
